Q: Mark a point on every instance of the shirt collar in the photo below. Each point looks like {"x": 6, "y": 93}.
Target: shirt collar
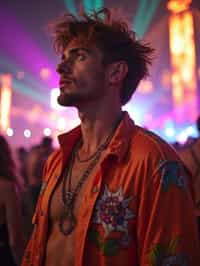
{"x": 119, "y": 143}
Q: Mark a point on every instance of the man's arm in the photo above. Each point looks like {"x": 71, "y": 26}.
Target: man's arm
{"x": 167, "y": 228}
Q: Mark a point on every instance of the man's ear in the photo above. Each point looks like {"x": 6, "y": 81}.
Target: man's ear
{"x": 117, "y": 72}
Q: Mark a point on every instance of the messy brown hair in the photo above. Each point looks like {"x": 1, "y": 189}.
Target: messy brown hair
{"x": 113, "y": 37}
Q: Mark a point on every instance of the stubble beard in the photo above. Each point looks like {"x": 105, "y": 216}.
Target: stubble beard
{"x": 75, "y": 99}
{"x": 69, "y": 100}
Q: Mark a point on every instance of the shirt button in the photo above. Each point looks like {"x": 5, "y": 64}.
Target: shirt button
{"x": 95, "y": 189}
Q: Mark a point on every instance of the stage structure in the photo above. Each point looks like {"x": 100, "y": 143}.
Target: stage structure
{"x": 5, "y": 101}
{"x": 183, "y": 60}
{"x": 171, "y": 103}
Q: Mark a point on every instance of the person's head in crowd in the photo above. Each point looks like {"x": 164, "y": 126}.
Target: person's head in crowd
{"x": 7, "y": 163}
{"x": 46, "y": 142}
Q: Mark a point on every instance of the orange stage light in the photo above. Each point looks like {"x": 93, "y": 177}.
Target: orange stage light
{"x": 5, "y": 101}
{"x": 183, "y": 62}
{"x": 177, "y": 6}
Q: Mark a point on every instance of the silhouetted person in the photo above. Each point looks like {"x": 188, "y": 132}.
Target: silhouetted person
{"x": 35, "y": 164}
{"x": 22, "y": 154}
{"x": 190, "y": 154}
{"x": 11, "y": 232}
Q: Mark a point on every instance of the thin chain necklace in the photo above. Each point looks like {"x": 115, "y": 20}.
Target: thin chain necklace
{"x": 99, "y": 149}
{"x": 69, "y": 197}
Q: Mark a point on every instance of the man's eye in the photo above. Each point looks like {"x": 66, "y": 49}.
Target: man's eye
{"x": 81, "y": 57}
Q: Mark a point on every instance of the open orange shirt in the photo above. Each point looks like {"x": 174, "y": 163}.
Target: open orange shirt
{"x": 138, "y": 208}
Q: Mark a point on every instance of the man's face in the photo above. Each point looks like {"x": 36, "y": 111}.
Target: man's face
{"x": 82, "y": 77}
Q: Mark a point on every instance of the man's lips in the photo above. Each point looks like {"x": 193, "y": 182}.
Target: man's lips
{"x": 65, "y": 82}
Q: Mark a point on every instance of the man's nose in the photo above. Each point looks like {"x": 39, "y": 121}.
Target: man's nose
{"x": 64, "y": 67}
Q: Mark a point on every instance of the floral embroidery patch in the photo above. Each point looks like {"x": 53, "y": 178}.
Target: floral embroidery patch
{"x": 112, "y": 212}
{"x": 166, "y": 255}
{"x": 170, "y": 171}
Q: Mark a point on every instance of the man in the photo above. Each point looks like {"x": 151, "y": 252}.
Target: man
{"x": 114, "y": 194}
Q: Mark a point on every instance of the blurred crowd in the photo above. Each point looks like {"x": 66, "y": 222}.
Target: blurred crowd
{"x": 190, "y": 154}
{"x": 20, "y": 182}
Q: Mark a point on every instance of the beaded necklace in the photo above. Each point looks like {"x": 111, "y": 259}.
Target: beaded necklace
{"x": 69, "y": 197}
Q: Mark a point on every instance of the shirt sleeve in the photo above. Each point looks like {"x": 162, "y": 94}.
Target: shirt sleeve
{"x": 30, "y": 256}
{"x": 167, "y": 227}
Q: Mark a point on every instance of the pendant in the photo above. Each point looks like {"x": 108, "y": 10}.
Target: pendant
{"x": 67, "y": 222}
{"x": 68, "y": 199}
{"x": 69, "y": 196}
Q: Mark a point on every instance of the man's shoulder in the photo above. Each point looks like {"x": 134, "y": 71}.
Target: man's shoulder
{"x": 145, "y": 139}
{"x": 147, "y": 148}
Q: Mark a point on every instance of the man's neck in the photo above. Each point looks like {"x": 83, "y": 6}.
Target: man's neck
{"x": 97, "y": 128}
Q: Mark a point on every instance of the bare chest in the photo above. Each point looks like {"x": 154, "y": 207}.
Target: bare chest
{"x": 60, "y": 219}
{"x": 74, "y": 182}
